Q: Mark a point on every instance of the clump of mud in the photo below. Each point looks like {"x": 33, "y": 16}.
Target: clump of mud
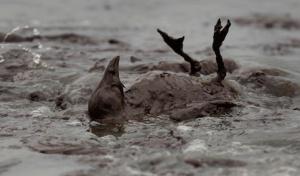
{"x": 162, "y": 92}
{"x": 269, "y": 81}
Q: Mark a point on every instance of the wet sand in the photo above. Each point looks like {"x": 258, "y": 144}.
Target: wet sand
{"x": 45, "y": 84}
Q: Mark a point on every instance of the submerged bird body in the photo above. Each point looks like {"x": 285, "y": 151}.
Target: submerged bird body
{"x": 164, "y": 92}
{"x": 107, "y": 101}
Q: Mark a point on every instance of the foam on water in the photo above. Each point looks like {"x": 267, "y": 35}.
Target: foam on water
{"x": 284, "y": 171}
{"x": 196, "y": 145}
{"x": 135, "y": 172}
{"x": 74, "y": 123}
{"x": 42, "y": 111}
{"x": 184, "y": 128}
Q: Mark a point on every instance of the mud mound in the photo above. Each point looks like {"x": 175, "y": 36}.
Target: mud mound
{"x": 209, "y": 108}
{"x": 13, "y": 38}
{"x": 208, "y": 66}
{"x": 61, "y": 38}
{"x": 269, "y": 81}
{"x": 161, "y": 92}
{"x": 269, "y": 21}
{"x": 70, "y": 38}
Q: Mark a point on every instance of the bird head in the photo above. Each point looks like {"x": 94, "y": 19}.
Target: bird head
{"x": 111, "y": 74}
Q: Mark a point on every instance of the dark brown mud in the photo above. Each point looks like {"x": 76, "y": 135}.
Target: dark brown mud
{"x": 208, "y": 66}
{"x": 163, "y": 92}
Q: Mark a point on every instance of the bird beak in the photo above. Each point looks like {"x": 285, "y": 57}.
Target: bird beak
{"x": 114, "y": 64}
